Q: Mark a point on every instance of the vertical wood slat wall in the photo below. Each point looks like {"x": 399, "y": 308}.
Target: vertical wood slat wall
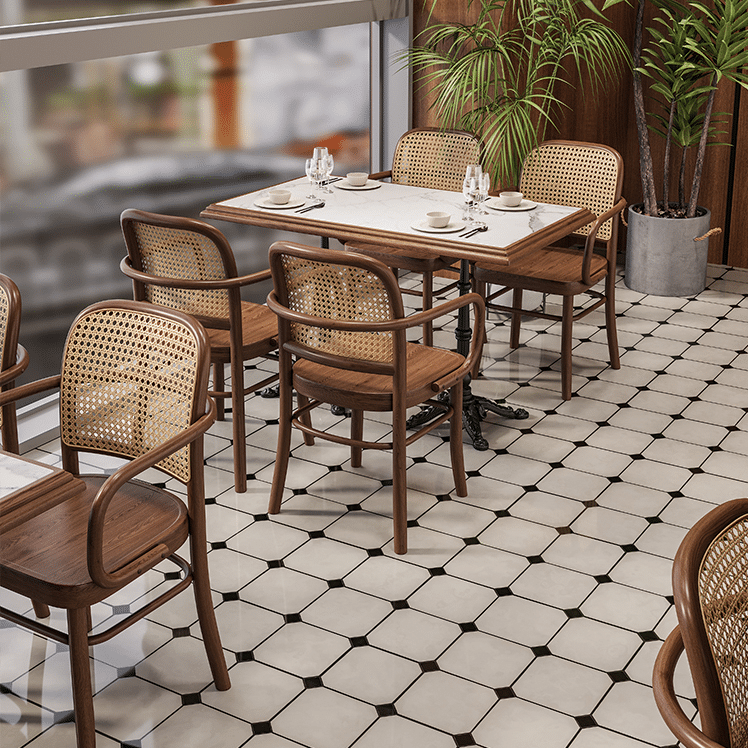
{"x": 608, "y": 117}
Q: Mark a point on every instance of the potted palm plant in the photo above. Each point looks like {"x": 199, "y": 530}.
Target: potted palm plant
{"x": 498, "y": 77}
{"x": 692, "y": 48}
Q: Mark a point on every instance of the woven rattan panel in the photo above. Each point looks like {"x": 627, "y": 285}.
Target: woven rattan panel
{"x": 127, "y": 385}
{"x": 176, "y": 253}
{"x": 723, "y": 591}
{"x": 338, "y": 292}
{"x": 434, "y": 159}
{"x": 574, "y": 175}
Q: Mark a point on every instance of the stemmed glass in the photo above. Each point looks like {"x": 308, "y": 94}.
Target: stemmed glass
{"x": 484, "y": 186}
{"x": 471, "y": 189}
{"x": 315, "y": 175}
{"x": 327, "y": 165}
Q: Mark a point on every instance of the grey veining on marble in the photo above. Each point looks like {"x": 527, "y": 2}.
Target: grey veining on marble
{"x": 16, "y": 473}
{"x": 396, "y": 207}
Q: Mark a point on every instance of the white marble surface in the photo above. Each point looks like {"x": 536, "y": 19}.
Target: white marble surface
{"x": 16, "y": 473}
{"x": 395, "y": 207}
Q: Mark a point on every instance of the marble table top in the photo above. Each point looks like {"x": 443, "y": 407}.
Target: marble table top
{"x": 389, "y": 212}
{"x": 17, "y": 473}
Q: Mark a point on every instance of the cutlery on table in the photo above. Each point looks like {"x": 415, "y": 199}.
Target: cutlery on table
{"x": 320, "y": 204}
{"x": 477, "y": 229}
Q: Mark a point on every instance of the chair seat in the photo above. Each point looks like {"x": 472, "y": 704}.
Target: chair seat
{"x": 359, "y": 391}
{"x": 553, "y": 270}
{"x": 260, "y": 331}
{"x": 39, "y": 559}
{"x": 413, "y": 259}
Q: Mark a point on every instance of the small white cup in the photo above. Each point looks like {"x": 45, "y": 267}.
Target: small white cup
{"x": 279, "y": 197}
{"x": 438, "y": 219}
{"x": 510, "y": 199}
{"x": 357, "y": 178}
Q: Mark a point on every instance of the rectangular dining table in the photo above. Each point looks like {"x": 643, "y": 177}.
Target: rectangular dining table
{"x": 386, "y": 214}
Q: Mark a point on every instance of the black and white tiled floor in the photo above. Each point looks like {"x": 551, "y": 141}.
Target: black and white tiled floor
{"x": 526, "y": 615}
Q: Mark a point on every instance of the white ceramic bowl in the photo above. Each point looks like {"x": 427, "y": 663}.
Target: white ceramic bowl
{"x": 357, "y": 178}
{"x": 438, "y": 219}
{"x": 510, "y": 199}
{"x": 279, "y": 197}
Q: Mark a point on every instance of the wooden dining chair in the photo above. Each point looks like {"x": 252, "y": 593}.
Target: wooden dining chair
{"x": 187, "y": 264}
{"x": 710, "y": 588}
{"x": 583, "y": 175}
{"x": 341, "y": 318}
{"x": 425, "y": 157}
{"x": 133, "y": 385}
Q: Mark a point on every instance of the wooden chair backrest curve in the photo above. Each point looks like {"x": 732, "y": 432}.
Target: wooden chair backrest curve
{"x": 710, "y": 585}
{"x": 582, "y": 175}
{"x": 131, "y": 379}
{"x": 10, "y": 320}
{"x": 434, "y": 158}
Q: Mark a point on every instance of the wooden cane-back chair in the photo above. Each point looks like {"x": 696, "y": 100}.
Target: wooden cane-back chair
{"x": 13, "y": 357}
{"x": 425, "y": 157}
{"x": 186, "y": 264}
{"x": 133, "y": 384}
{"x": 710, "y": 587}
{"x": 582, "y": 175}
{"x": 341, "y": 317}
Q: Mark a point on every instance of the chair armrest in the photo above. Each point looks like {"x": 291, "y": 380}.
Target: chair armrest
{"x": 381, "y": 174}
{"x": 28, "y": 389}
{"x": 664, "y": 693}
{"x": 190, "y": 283}
{"x": 589, "y": 245}
{"x": 97, "y": 515}
{"x": 15, "y": 371}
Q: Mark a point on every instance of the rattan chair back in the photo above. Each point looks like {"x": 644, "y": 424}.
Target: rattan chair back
{"x": 178, "y": 248}
{"x": 582, "y": 175}
{"x": 332, "y": 294}
{"x": 130, "y": 380}
{"x": 710, "y": 586}
{"x": 13, "y": 357}
{"x": 434, "y": 158}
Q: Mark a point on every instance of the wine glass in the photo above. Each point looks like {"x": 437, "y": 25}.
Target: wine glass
{"x": 484, "y": 186}
{"x": 314, "y": 174}
{"x": 470, "y": 190}
{"x": 327, "y": 164}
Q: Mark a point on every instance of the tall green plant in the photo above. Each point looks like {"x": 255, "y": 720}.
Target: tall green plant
{"x": 692, "y": 48}
{"x": 499, "y": 76}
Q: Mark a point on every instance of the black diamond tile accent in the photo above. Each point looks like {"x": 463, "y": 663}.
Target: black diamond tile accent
{"x": 227, "y": 596}
{"x": 386, "y": 710}
{"x": 210, "y": 500}
{"x": 502, "y": 513}
{"x": 696, "y": 471}
{"x": 556, "y": 464}
{"x": 191, "y": 698}
{"x": 298, "y": 491}
{"x": 260, "y": 517}
{"x": 218, "y": 546}
{"x": 371, "y": 552}
{"x": 530, "y": 489}
{"x": 400, "y": 604}
{"x": 505, "y": 693}
{"x": 648, "y": 636}
{"x": 580, "y": 444}
{"x": 4, "y": 689}
{"x": 315, "y": 534}
{"x": 412, "y": 523}
{"x": 615, "y": 479}
{"x": 675, "y": 494}
{"x": 503, "y": 591}
{"x": 535, "y": 559}
{"x": 464, "y": 739}
{"x": 359, "y": 641}
{"x": 416, "y": 460}
{"x": 468, "y": 626}
{"x": 61, "y": 717}
{"x": 637, "y": 457}
{"x": 574, "y": 613}
{"x": 541, "y": 651}
{"x": 629, "y": 548}
{"x": 160, "y": 485}
{"x": 670, "y": 599}
{"x": 564, "y": 530}
{"x": 653, "y": 520}
{"x": 132, "y": 744}
{"x": 251, "y": 476}
{"x": 275, "y": 564}
{"x": 471, "y": 541}
{"x": 618, "y": 676}
{"x": 126, "y": 672}
{"x": 473, "y": 473}
{"x": 180, "y": 633}
{"x": 333, "y": 583}
{"x": 261, "y": 728}
{"x": 172, "y": 576}
{"x": 715, "y": 448}
{"x": 246, "y": 656}
{"x": 429, "y": 666}
{"x": 315, "y": 682}
{"x": 334, "y": 468}
{"x": 292, "y": 618}
{"x": 590, "y": 504}
{"x": 353, "y": 507}
{"x": 602, "y": 579}
{"x": 120, "y": 610}
{"x": 437, "y": 572}
{"x": 585, "y": 720}
{"x": 386, "y": 482}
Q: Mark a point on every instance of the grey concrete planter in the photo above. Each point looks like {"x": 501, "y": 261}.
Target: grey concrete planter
{"x": 667, "y": 256}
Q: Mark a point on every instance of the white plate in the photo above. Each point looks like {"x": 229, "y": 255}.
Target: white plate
{"x": 448, "y": 229}
{"x": 266, "y": 202}
{"x": 496, "y": 204}
{"x": 344, "y": 184}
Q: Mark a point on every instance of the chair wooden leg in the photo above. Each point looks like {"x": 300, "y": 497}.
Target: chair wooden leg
{"x": 41, "y": 610}
{"x": 516, "y": 317}
{"x": 455, "y": 441}
{"x": 357, "y": 432}
{"x": 399, "y": 486}
{"x": 567, "y": 321}
{"x": 610, "y": 325}
{"x": 80, "y": 667}
{"x": 219, "y": 386}
{"x": 238, "y": 426}
{"x": 284, "y": 447}
{"x": 306, "y": 419}
{"x": 427, "y": 295}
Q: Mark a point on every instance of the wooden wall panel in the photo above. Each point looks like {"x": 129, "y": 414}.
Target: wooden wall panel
{"x": 738, "y": 248}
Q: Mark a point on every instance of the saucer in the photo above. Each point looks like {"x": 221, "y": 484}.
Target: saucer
{"x": 266, "y": 202}
{"x": 344, "y": 184}
{"x": 449, "y": 228}
{"x": 496, "y": 204}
